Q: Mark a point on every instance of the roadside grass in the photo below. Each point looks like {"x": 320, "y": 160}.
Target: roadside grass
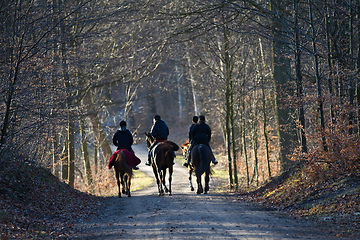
{"x": 140, "y": 181}
{"x": 219, "y": 181}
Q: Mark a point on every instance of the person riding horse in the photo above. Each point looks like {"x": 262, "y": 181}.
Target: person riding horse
{"x": 200, "y": 133}
{"x": 123, "y": 139}
{"x": 160, "y": 133}
{"x": 187, "y": 157}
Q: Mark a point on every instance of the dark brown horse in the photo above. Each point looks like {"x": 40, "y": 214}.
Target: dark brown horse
{"x": 123, "y": 173}
{"x": 162, "y": 158}
{"x": 201, "y": 158}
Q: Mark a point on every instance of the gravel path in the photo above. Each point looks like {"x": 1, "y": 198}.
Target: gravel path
{"x": 186, "y": 215}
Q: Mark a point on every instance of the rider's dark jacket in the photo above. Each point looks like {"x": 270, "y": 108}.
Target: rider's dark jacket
{"x": 160, "y": 130}
{"x": 191, "y": 128}
{"x": 123, "y": 139}
{"x": 201, "y": 133}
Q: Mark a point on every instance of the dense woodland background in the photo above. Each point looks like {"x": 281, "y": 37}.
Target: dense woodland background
{"x": 278, "y": 82}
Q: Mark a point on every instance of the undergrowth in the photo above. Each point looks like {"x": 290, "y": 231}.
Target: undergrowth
{"x": 36, "y": 205}
{"x": 311, "y": 191}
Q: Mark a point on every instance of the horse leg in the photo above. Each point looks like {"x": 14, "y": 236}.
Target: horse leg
{"x": 128, "y": 185}
{"x": 170, "y": 179}
{"x": 207, "y": 180}
{"x": 122, "y": 183}
{"x": 125, "y": 186}
{"x": 160, "y": 184}
{"x": 118, "y": 181}
{"x": 190, "y": 181}
{"x": 164, "y": 182}
{"x": 198, "y": 180}
{"x": 157, "y": 178}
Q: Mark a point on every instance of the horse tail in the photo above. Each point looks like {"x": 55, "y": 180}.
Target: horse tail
{"x": 169, "y": 156}
{"x": 204, "y": 159}
{"x": 120, "y": 163}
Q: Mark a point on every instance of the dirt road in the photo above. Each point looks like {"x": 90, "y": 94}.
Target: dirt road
{"x": 186, "y": 215}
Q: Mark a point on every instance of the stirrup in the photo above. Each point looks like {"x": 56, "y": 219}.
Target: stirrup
{"x": 147, "y": 164}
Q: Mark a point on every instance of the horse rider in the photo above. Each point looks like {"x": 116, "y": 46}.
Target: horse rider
{"x": 201, "y": 134}
{"x": 160, "y": 133}
{"x": 188, "y": 156}
{"x": 123, "y": 139}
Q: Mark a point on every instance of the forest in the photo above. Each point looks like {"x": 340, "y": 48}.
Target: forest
{"x": 278, "y": 82}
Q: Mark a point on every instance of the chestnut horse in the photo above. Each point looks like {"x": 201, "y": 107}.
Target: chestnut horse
{"x": 162, "y": 158}
{"x": 185, "y": 147}
{"x": 123, "y": 173}
{"x": 200, "y": 163}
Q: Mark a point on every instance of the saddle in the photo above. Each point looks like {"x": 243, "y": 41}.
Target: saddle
{"x": 131, "y": 159}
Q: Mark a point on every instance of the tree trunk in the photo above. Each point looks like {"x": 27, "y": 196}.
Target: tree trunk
{"x": 55, "y": 153}
{"x": 358, "y": 73}
{"x": 85, "y": 153}
{"x": 330, "y": 62}
{"x": 281, "y": 76}
{"x": 228, "y": 104}
{"x": 254, "y": 139}
{"x": 243, "y": 120}
{"x": 64, "y": 160}
{"x": 317, "y": 76}
{"x": 192, "y": 81}
{"x": 301, "y": 111}
{"x": 71, "y": 152}
{"x": 97, "y": 127}
{"x": 233, "y": 143}
{"x": 265, "y": 117}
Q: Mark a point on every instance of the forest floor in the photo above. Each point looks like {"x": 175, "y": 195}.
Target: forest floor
{"x": 333, "y": 204}
{"x": 35, "y": 205}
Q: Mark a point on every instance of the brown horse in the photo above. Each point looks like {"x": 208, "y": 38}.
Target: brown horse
{"x": 185, "y": 147}
{"x": 123, "y": 173}
{"x": 201, "y": 158}
{"x": 162, "y": 158}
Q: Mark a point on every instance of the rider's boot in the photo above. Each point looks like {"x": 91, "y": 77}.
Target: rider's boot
{"x": 174, "y": 158}
{"x": 186, "y": 164}
{"x": 148, "y": 162}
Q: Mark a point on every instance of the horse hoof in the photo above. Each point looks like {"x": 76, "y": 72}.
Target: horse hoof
{"x": 119, "y": 196}
{"x": 192, "y": 188}
{"x": 123, "y": 191}
{"x": 129, "y": 195}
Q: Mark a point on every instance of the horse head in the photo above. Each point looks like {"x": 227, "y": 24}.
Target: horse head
{"x": 185, "y": 147}
{"x": 149, "y": 139}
